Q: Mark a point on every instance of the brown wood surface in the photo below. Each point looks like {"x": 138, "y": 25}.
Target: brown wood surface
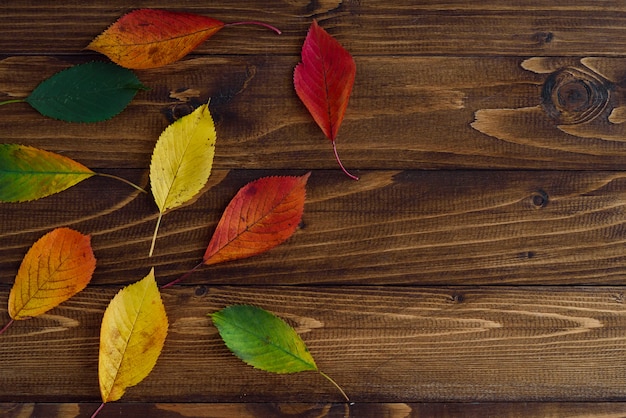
{"x": 477, "y": 268}
{"x": 384, "y": 344}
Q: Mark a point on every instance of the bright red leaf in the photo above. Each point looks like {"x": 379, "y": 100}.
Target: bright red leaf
{"x": 324, "y": 80}
{"x": 262, "y": 215}
{"x": 150, "y": 38}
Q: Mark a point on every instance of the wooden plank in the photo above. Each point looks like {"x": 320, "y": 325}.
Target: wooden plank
{"x": 390, "y": 227}
{"x": 532, "y": 27}
{"x": 405, "y": 113}
{"x": 381, "y": 344}
{"x": 319, "y": 410}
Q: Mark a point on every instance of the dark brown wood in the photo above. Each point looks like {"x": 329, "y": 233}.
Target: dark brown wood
{"x": 320, "y": 410}
{"x": 477, "y": 268}
{"x": 390, "y": 227}
{"x": 381, "y": 344}
{"x": 454, "y": 27}
{"x": 405, "y": 113}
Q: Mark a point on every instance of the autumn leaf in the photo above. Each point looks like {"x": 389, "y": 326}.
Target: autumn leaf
{"x": 133, "y": 332}
{"x": 264, "y": 341}
{"x": 150, "y": 38}
{"x": 28, "y": 173}
{"x": 262, "y": 215}
{"x": 181, "y": 161}
{"x": 323, "y": 81}
{"x": 90, "y": 92}
{"x": 57, "y": 266}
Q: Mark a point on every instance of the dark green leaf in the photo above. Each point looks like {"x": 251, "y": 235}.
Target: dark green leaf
{"x": 90, "y": 92}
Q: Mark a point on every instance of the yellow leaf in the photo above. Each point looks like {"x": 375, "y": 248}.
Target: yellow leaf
{"x": 182, "y": 160}
{"x": 55, "y": 268}
{"x": 133, "y": 332}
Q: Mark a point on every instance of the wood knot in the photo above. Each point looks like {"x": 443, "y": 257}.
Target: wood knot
{"x": 539, "y": 199}
{"x": 571, "y": 95}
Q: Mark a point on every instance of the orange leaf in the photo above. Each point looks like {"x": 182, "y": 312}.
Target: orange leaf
{"x": 150, "y": 38}
{"x": 55, "y": 268}
{"x": 262, "y": 215}
{"x": 324, "y": 80}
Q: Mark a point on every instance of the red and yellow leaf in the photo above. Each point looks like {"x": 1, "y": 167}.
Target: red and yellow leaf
{"x": 59, "y": 265}
{"x": 150, "y": 38}
{"x": 324, "y": 80}
{"x": 262, "y": 215}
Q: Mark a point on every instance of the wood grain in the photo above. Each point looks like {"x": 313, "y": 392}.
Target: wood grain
{"x": 390, "y": 227}
{"x": 476, "y": 269}
{"x": 381, "y": 344}
{"x": 405, "y": 113}
{"x": 320, "y": 410}
{"x": 456, "y": 27}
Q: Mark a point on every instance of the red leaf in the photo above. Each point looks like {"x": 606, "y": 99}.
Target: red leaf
{"x": 262, "y": 215}
{"x": 324, "y": 80}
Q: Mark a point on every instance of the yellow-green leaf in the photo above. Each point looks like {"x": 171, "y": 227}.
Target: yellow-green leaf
{"x": 182, "y": 160}
{"x": 28, "y": 173}
{"x": 133, "y": 332}
{"x": 265, "y": 341}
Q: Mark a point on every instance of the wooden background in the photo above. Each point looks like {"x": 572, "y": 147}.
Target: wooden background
{"x": 477, "y": 268}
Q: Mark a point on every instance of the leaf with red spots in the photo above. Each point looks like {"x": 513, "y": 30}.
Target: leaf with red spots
{"x": 150, "y": 38}
{"x": 324, "y": 80}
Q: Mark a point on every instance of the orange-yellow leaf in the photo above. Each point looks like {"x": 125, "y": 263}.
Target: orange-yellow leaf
{"x": 132, "y": 336}
{"x": 57, "y": 266}
{"x": 262, "y": 215}
{"x": 150, "y": 38}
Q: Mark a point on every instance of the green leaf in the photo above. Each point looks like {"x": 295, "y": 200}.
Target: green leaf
{"x": 90, "y": 92}
{"x": 263, "y": 340}
{"x": 28, "y": 173}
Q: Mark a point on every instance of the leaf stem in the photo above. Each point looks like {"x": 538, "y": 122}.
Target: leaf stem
{"x": 154, "y": 236}
{"x": 252, "y": 22}
{"x": 4, "y": 328}
{"x": 183, "y": 277}
{"x": 12, "y": 101}
{"x": 98, "y": 410}
{"x": 335, "y": 384}
{"x": 123, "y": 180}
{"x": 353, "y": 177}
